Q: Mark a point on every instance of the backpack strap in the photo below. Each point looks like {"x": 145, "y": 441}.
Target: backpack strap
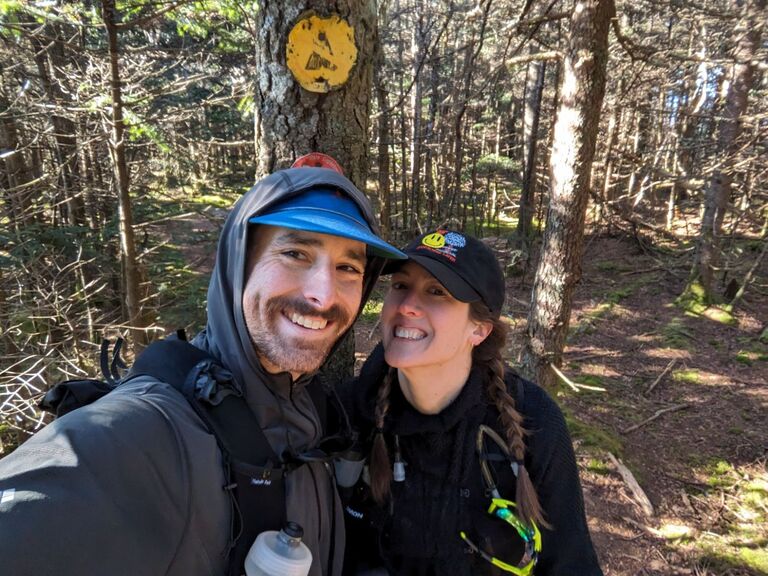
{"x": 255, "y": 474}
{"x": 64, "y": 397}
{"x": 72, "y": 394}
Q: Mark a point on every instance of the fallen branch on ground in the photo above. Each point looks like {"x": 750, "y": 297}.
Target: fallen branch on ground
{"x": 647, "y": 529}
{"x": 664, "y": 373}
{"x": 575, "y": 386}
{"x": 594, "y": 355}
{"x": 656, "y": 415}
{"x": 637, "y": 491}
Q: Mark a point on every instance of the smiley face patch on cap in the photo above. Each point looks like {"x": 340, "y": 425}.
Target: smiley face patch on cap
{"x": 464, "y": 265}
{"x": 444, "y": 243}
{"x": 434, "y": 240}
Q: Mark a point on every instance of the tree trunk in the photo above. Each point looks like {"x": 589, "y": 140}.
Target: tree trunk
{"x": 719, "y": 189}
{"x": 384, "y": 135}
{"x": 418, "y": 49}
{"x": 405, "y": 205}
{"x": 14, "y": 174}
{"x": 434, "y": 81}
{"x": 291, "y": 121}
{"x": 614, "y": 128}
{"x": 559, "y": 268}
{"x": 534, "y": 88}
{"x": 51, "y": 61}
{"x": 472, "y": 50}
{"x": 131, "y": 272}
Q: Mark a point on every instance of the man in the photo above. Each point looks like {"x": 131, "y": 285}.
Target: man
{"x": 132, "y": 484}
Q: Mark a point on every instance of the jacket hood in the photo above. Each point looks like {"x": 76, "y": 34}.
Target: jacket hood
{"x": 226, "y": 336}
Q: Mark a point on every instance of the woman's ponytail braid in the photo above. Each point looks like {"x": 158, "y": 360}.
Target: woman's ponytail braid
{"x": 380, "y": 467}
{"x": 488, "y": 353}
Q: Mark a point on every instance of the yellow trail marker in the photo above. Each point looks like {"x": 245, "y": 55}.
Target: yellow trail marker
{"x": 321, "y": 52}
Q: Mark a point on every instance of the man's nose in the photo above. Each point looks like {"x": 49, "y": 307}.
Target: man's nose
{"x": 320, "y": 287}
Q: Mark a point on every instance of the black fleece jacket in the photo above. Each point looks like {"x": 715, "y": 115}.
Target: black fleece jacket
{"x": 443, "y": 492}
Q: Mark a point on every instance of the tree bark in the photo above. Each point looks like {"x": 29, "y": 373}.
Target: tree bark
{"x": 534, "y": 89}
{"x": 718, "y": 191}
{"x": 434, "y": 81}
{"x": 384, "y": 135}
{"x": 51, "y": 59}
{"x": 14, "y": 174}
{"x": 131, "y": 272}
{"x": 418, "y": 49}
{"x": 291, "y": 121}
{"x": 462, "y": 102}
{"x": 559, "y": 268}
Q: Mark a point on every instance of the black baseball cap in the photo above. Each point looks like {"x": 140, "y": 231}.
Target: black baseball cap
{"x": 463, "y": 264}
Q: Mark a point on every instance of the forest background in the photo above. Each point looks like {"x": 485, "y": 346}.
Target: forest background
{"x": 613, "y": 153}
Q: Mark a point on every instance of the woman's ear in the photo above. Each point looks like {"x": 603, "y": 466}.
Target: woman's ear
{"x": 480, "y": 332}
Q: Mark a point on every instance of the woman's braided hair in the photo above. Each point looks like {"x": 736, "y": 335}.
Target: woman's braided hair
{"x": 487, "y": 353}
{"x": 380, "y": 466}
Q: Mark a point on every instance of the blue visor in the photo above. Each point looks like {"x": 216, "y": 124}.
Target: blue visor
{"x": 327, "y": 212}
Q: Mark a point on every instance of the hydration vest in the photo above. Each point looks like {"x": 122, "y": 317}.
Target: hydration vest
{"x": 255, "y": 475}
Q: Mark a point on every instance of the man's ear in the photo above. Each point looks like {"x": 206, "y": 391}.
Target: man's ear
{"x": 480, "y": 332}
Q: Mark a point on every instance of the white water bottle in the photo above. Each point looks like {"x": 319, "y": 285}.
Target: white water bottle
{"x": 279, "y": 553}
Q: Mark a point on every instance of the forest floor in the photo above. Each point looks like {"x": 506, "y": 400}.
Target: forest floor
{"x": 703, "y": 374}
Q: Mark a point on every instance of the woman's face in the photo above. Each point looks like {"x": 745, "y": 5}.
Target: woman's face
{"x": 424, "y": 325}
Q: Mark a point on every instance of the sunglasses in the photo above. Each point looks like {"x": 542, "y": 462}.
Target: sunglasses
{"x": 502, "y": 509}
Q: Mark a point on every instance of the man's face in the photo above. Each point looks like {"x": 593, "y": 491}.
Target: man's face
{"x": 302, "y": 292}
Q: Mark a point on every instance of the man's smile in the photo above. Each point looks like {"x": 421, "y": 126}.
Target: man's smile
{"x": 313, "y": 323}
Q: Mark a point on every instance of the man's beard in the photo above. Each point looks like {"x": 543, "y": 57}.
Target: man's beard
{"x": 291, "y": 354}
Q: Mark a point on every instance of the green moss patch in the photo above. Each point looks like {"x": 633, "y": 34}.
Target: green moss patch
{"x": 724, "y": 560}
{"x": 687, "y": 376}
{"x": 695, "y": 303}
{"x": 720, "y": 315}
{"x": 372, "y": 310}
{"x": 748, "y": 357}
{"x": 722, "y": 474}
{"x": 598, "y": 466}
{"x": 220, "y": 201}
{"x": 738, "y": 543}
{"x": 592, "y": 437}
{"x": 693, "y": 299}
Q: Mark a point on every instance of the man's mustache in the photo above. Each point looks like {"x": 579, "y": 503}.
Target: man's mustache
{"x": 333, "y": 314}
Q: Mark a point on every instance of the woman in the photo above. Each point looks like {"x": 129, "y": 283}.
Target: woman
{"x": 471, "y": 468}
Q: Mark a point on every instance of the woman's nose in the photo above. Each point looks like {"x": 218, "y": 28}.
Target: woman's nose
{"x": 410, "y": 304}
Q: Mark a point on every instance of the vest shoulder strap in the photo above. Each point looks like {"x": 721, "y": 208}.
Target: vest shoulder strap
{"x": 210, "y": 391}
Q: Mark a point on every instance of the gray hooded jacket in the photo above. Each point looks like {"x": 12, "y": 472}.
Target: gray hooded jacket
{"x": 132, "y": 484}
